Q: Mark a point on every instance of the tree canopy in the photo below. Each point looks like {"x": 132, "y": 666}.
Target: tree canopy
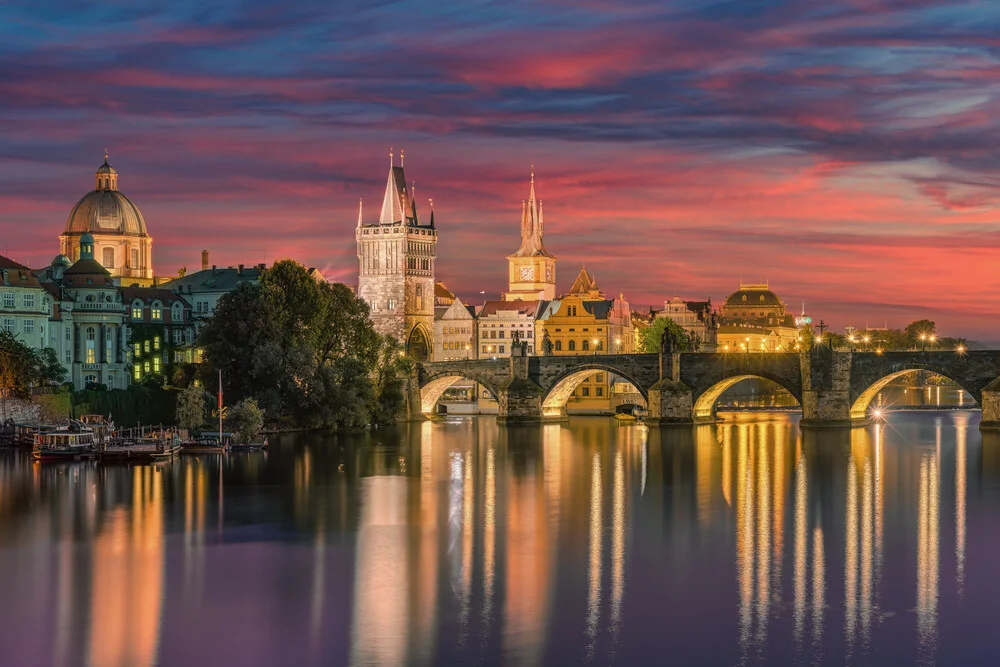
{"x": 306, "y": 351}
{"x": 23, "y": 368}
{"x": 649, "y": 337}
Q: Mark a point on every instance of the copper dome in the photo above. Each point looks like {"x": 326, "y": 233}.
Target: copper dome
{"x": 106, "y": 212}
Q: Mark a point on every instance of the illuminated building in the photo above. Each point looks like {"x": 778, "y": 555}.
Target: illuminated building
{"x": 582, "y": 322}
{"x": 121, "y": 242}
{"x": 454, "y": 332}
{"x": 160, "y": 331}
{"x": 695, "y": 317}
{"x": 396, "y": 258}
{"x": 532, "y": 269}
{"x": 756, "y": 313}
{"x": 25, "y": 305}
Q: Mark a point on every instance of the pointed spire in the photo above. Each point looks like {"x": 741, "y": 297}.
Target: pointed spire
{"x": 531, "y": 224}
{"x": 360, "y": 211}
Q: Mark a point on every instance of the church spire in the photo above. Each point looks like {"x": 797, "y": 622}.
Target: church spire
{"x": 360, "y": 213}
{"x": 532, "y": 230}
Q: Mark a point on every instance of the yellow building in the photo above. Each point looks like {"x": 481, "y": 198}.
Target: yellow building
{"x": 754, "y": 319}
{"x": 584, "y": 322}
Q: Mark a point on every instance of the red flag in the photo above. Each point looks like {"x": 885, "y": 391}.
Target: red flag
{"x": 220, "y": 389}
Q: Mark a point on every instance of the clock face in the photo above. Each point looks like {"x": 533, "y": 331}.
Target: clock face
{"x": 527, "y": 273}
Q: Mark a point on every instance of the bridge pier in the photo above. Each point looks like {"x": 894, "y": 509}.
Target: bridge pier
{"x": 990, "y": 403}
{"x": 669, "y": 403}
{"x": 826, "y": 388}
{"x": 519, "y": 399}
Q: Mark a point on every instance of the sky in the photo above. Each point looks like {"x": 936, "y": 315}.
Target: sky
{"x": 846, "y": 151}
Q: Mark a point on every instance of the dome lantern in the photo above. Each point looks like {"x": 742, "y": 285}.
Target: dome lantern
{"x": 107, "y": 176}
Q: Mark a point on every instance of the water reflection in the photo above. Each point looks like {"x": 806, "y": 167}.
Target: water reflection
{"x": 462, "y": 542}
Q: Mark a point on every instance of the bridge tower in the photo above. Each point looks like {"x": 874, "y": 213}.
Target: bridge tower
{"x": 532, "y": 269}
{"x": 396, "y": 258}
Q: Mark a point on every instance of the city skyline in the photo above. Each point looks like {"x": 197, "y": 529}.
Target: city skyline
{"x": 784, "y": 147}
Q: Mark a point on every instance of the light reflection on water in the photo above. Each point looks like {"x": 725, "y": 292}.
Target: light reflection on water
{"x": 749, "y": 542}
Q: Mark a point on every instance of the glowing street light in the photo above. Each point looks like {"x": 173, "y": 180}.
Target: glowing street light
{"x": 618, "y": 345}
{"x": 597, "y": 345}
{"x": 867, "y": 339}
{"x": 960, "y": 349}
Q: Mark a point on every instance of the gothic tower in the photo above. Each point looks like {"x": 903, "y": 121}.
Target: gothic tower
{"x": 396, "y": 266}
{"x": 532, "y": 269}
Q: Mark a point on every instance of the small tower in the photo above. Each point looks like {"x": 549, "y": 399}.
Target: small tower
{"x": 532, "y": 269}
{"x": 396, "y": 258}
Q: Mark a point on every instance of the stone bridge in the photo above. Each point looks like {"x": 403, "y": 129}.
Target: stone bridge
{"x": 834, "y": 388}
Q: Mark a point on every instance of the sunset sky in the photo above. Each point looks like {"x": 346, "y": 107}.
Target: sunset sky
{"x": 846, "y": 151}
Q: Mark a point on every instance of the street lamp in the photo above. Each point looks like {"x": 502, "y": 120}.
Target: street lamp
{"x": 923, "y": 342}
{"x": 618, "y": 345}
{"x": 960, "y": 349}
{"x": 747, "y": 346}
{"x": 597, "y": 345}
{"x": 851, "y": 338}
{"x": 932, "y": 338}
{"x": 867, "y": 339}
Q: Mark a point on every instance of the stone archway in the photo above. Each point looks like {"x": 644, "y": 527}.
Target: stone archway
{"x": 418, "y": 345}
{"x": 859, "y": 407}
{"x": 704, "y": 403}
{"x": 555, "y": 400}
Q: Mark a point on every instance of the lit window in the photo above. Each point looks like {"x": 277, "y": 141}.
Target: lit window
{"x": 90, "y": 356}
{"x": 136, "y": 371}
{"x": 145, "y": 366}
{"x": 156, "y": 364}
{"x": 156, "y": 311}
{"x": 156, "y": 342}
{"x": 145, "y": 345}
{"x": 137, "y": 310}
{"x": 138, "y": 349}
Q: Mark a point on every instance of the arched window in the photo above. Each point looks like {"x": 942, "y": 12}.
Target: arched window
{"x": 177, "y": 312}
{"x": 137, "y": 310}
{"x": 91, "y": 334}
{"x": 90, "y": 350}
{"x": 572, "y": 345}
{"x": 559, "y": 346}
{"x": 135, "y": 258}
{"x": 586, "y": 345}
{"x": 109, "y": 258}
{"x": 156, "y": 311}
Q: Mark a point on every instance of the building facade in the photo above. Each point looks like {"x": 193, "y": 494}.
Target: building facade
{"x": 121, "y": 243}
{"x": 396, "y": 257}
{"x": 695, "y": 317}
{"x": 502, "y": 322}
{"x": 754, "y": 319}
{"x": 25, "y": 306}
{"x": 455, "y": 332}
{"x": 161, "y": 332}
{"x": 531, "y": 271}
{"x": 91, "y": 304}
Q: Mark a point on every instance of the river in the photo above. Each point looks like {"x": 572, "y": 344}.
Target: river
{"x": 465, "y": 543}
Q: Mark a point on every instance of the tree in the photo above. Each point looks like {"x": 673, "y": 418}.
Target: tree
{"x": 23, "y": 368}
{"x": 306, "y": 351}
{"x": 914, "y": 330}
{"x": 245, "y": 420}
{"x": 191, "y": 407}
{"x": 808, "y": 336}
{"x": 649, "y": 338}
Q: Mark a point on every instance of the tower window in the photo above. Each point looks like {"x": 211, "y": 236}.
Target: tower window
{"x": 135, "y": 258}
{"x": 108, "y": 258}
{"x": 572, "y": 345}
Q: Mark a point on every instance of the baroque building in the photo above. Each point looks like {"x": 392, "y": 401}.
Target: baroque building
{"x": 532, "y": 269}
{"x": 754, "y": 319}
{"x": 396, "y": 256}
{"x": 121, "y": 243}
{"x": 696, "y": 318}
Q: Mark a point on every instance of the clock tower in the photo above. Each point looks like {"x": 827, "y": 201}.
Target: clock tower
{"x": 532, "y": 269}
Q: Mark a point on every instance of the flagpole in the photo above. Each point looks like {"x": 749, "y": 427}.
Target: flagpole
{"x": 220, "y": 407}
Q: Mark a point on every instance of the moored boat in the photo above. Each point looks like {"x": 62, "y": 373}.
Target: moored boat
{"x": 207, "y": 443}
{"x": 249, "y": 447}
{"x": 629, "y": 413}
{"x": 68, "y": 444}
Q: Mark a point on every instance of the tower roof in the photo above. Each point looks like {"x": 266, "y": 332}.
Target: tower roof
{"x": 399, "y": 205}
{"x": 532, "y": 226}
{"x": 585, "y": 285}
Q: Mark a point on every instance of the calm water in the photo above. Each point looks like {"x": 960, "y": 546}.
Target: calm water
{"x": 463, "y": 543}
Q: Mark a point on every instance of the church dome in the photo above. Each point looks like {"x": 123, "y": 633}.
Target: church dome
{"x": 105, "y": 210}
{"x": 61, "y": 260}
{"x": 753, "y": 296}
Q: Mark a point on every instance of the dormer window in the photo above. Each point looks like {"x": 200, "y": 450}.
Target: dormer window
{"x": 137, "y": 310}
{"x": 156, "y": 311}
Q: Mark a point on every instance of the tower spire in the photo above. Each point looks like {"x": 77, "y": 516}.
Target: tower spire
{"x": 360, "y": 211}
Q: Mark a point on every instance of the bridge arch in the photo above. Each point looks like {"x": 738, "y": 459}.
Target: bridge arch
{"x": 862, "y": 401}
{"x": 704, "y": 402}
{"x": 557, "y": 395}
{"x": 434, "y": 387}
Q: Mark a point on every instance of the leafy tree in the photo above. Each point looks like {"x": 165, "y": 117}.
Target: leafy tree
{"x": 191, "y": 407}
{"x": 23, "y": 368}
{"x": 808, "y": 336}
{"x": 917, "y": 328}
{"x": 649, "y": 337}
{"x": 305, "y": 351}
{"x": 245, "y": 420}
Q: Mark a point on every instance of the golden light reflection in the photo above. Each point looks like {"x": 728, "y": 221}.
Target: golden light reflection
{"x": 594, "y": 553}
{"x": 799, "y": 554}
{"x": 928, "y": 514}
{"x": 961, "y": 430}
{"x": 128, "y": 578}
{"x": 489, "y": 536}
{"x": 617, "y": 544}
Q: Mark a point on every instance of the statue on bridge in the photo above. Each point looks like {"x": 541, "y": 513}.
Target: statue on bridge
{"x": 667, "y": 343}
{"x": 518, "y": 347}
{"x": 547, "y": 345}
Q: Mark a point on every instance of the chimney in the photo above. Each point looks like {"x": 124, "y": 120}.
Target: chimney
{"x": 213, "y": 269}
{"x": 204, "y": 260}
{"x": 239, "y": 270}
